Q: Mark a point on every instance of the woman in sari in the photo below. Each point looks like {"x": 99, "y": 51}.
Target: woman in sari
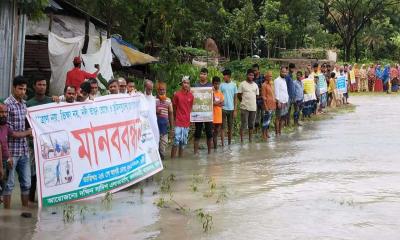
{"x": 351, "y": 78}
{"x": 386, "y": 78}
{"x": 356, "y": 85}
{"x": 371, "y": 77}
{"x": 394, "y": 78}
{"x": 363, "y": 79}
{"x": 378, "y": 86}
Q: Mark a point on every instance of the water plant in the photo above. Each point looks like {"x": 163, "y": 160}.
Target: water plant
{"x": 106, "y": 201}
{"x": 205, "y": 218}
{"x": 69, "y": 213}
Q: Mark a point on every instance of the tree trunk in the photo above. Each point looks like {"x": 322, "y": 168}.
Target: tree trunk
{"x": 229, "y": 53}
{"x": 357, "y": 50}
{"x": 251, "y": 46}
{"x": 238, "y": 52}
{"x": 347, "y": 50}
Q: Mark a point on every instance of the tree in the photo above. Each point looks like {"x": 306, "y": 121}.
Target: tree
{"x": 350, "y": 17}
{"x": 33, "y": 9}
{"x": 304, "y": 18}
{"x": 242, "y": 26}
{"x": 276, "y": 24}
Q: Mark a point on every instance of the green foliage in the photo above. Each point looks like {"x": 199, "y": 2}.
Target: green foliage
{"x": 239, "y": 67}
{"x": 241, "y": 27}
{"x": 176, "y": 30}
{"x": 173, "y": 73}
{"x": 309, "y": 54}
{"x": 33, "y": 8}
{"x": 275, "y": 22}
{"x": 192, "y": 51}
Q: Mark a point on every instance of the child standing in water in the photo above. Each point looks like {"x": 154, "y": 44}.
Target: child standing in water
{"x": 217, "y": 110}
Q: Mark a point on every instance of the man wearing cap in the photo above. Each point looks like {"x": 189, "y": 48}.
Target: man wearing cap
{"x": 76, "y": 76}
{"x": 182, "y": 104}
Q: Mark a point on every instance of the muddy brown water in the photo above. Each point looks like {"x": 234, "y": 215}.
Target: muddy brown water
{"x": 334, "y": 179}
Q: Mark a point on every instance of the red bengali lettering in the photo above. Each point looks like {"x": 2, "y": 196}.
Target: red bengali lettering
{"x": 84, "y": 150}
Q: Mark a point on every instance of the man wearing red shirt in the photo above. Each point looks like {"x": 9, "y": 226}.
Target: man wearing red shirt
{"x": 182, "y": 103}
{"x": 76, "y": 76}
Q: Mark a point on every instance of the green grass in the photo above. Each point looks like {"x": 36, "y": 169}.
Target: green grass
{"x": 373, "y": 94}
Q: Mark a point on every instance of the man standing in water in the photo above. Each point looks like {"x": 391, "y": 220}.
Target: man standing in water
{"x": 151, "y": 103}
{"x": 165, "y": 117}
{"x": 247, "y": 95}
{"x": 208, "y": 126}
{"x": 40, "y": 87}
{"x": 182, "y": 103}
{"x": 259, "y": 80}
{"x": 267, "y": 94}
{"x": 290, "y": 90}
{"x": 298, "y": 98}
{"x": 18, "y": 147}
{"x": 229, "y": 89}
{"x": 282, "y": 99}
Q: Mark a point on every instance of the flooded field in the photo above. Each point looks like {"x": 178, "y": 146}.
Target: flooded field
{"x": 333, "y": 179}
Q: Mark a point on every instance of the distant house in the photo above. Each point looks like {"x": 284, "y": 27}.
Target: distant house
{"x": 12, "y": 26}
{"x": 25, "y": 42}
{"x": 64, "y": 20}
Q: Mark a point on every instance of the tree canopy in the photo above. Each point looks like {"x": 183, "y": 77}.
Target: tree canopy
{"x": 359, "y": 28}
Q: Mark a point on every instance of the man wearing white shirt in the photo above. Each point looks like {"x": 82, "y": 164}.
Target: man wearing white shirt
{"x": 151, "y": 102}
{"x": 282, "y": 98}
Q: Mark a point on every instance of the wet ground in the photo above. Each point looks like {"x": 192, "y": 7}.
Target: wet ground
{"x": 333, "y": 179}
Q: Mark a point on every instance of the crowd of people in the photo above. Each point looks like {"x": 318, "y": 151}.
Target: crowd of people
{"x": 259, "y": 100}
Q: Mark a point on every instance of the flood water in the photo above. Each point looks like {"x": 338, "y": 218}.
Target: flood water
{"x": 333, "y": 179}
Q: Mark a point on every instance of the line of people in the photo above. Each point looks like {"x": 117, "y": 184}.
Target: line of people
{"x": 370, "y": 77}
{"x": 256, "y": 100}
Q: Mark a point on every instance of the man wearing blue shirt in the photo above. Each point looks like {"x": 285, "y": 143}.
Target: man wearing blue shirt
{"x": 290, "y": 89}
{"x": 229, "y": 89}
{"x": 298, "y": 97}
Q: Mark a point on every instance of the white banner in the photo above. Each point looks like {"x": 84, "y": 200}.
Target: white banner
{"x": 86, "y": 149}
{"x": 61, "y": 54}
{"x": 202, "y": 110}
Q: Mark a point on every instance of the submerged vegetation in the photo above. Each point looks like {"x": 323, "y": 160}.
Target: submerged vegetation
{"x": 167, "y": 199}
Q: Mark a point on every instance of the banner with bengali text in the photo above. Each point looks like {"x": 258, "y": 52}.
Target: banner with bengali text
{"x": 341, "y": 84}
{"x": 322, "y": 84}
{"x": 86, "y": 149}
{"x": 202, "y": 110}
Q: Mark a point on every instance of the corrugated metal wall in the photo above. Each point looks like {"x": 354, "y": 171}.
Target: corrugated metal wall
{"x": 6, "y": 46}
{"x": 12, "y": 39}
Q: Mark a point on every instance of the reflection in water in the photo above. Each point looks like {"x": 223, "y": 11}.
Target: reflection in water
{"x": 335, "y": 179}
